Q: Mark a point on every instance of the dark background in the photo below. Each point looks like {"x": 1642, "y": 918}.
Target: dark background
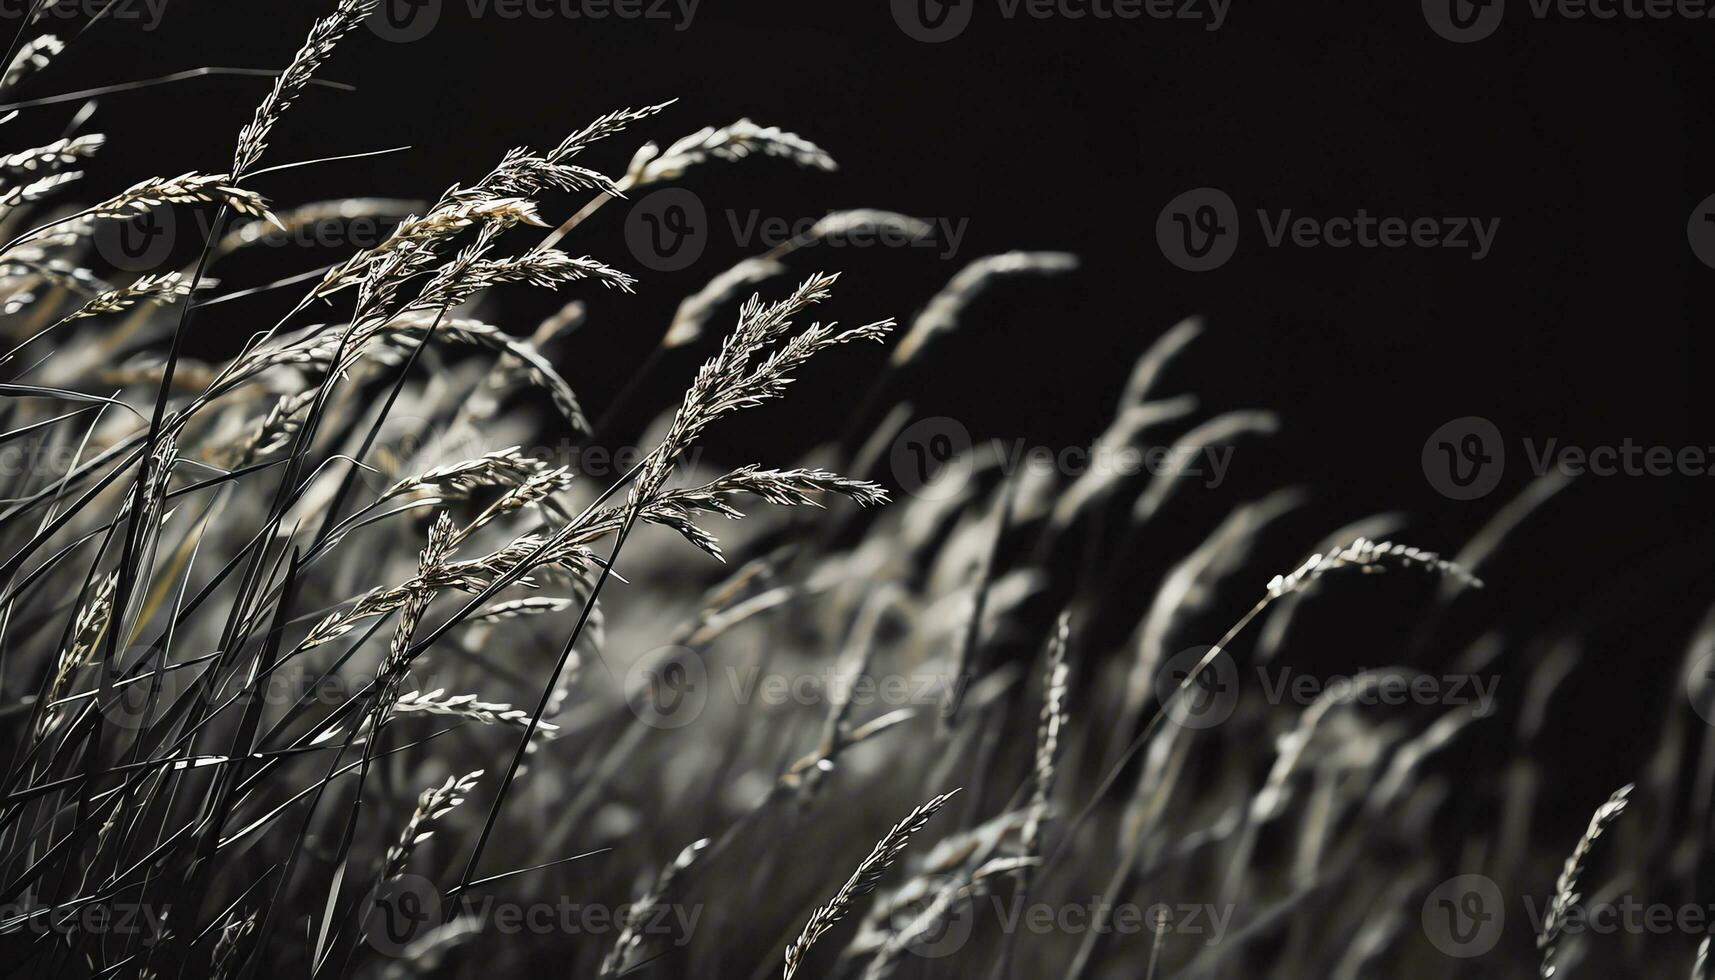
{"x": 1588, "y": 139}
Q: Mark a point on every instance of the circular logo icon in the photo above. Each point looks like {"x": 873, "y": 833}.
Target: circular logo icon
{"x": 130, "y": 702}
{"x": 1700, "y": 231}
{"x": 407, "y": 445}
{"x": 403, "y": 21}
{"x": 932, "y": 21}
{"x": 1209, "y": 698}
{"x": 667, "y": 230}
{"x": 1463, "y": 21}
{"x": 1700, "y": 687}
{"x": 1198, "y": 230}
{"x": 667, "y": 687}
{"x": 938, "y": 922}
{"x": 1463, "y": 916}
{"x": 931, "y": 458}
{"x": 136, "y": 244}
{"x": 1463, "y": 459}
{"x": 399, "y": 912}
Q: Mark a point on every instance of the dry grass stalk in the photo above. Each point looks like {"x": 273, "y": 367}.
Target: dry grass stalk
{"x": 862, "y": 881}
{"x": 944, "y": 312}
{"x": 34, "y": 55}
{"x": 730, "y": 143}
{"x": 1566, "y": 886}
{"x": 1056, "y": 674}
{"x": 411, "y": 609}
{"x": 224, "y": 960}
{"x": 1367, "y": 556}
{"x": 35, "y": 190}
{"x": 324, "y": 34}
{"x": 154, "y": 290}
{"x": 60, "y": 153}
{"x": 186, "y": 188}
{"x": 466, "y": 706}
{"x": 310, "y": 216}
{"x": 433, "y": 804}
{"x": 630, "y": 939}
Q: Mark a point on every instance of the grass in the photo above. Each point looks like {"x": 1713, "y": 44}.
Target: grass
{"x": 300, "y": 647}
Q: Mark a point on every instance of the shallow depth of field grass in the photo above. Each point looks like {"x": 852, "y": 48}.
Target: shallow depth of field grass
{"x": 313, "y": 668}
